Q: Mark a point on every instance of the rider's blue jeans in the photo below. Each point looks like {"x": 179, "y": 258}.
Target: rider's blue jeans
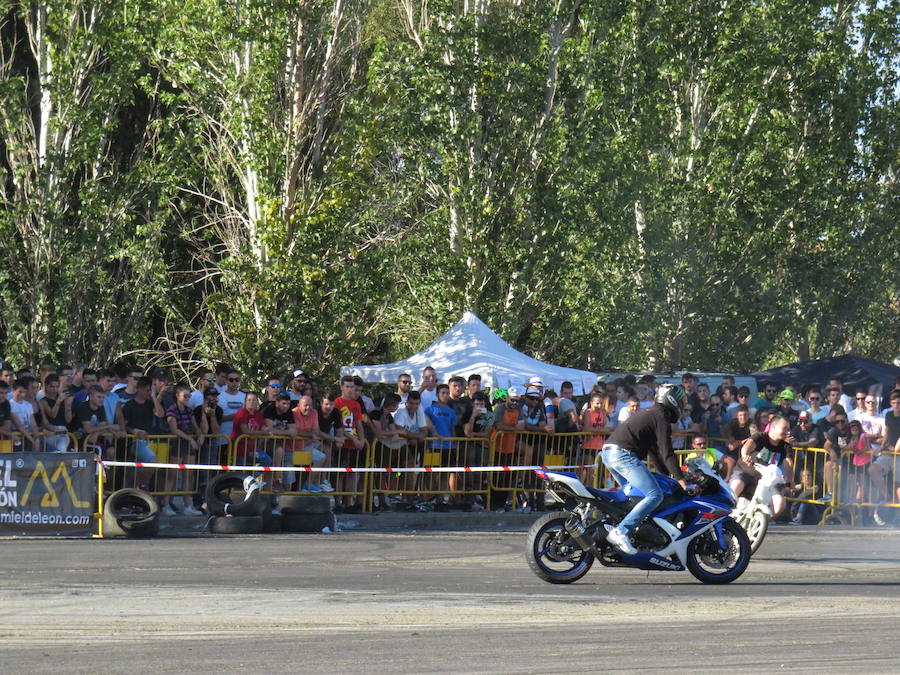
{"x": 626, "y": 467}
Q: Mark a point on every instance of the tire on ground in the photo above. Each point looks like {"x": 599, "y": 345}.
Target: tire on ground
{"x": 307, "y": 522}
{"x": 236, "y": 525}
{"x": 272, "y": 522}
{"x": 130, "y": 513}
{"x": 229, "y": 489}
{"x": 305, "y": 504}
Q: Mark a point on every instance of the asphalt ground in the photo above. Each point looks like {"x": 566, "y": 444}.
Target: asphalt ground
{"x": 813, "y": 599}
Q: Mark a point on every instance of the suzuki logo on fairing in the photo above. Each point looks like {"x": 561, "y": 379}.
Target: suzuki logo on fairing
{"x": 665, "y": 563}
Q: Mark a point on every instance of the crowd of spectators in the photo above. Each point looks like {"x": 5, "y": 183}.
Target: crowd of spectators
{"x": 45, "y": 410}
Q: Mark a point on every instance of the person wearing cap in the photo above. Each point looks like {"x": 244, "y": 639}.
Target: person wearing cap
{"x": 785, "y": 407}
{"x": 549, "y": 408}
{"x": 298, "y": 384}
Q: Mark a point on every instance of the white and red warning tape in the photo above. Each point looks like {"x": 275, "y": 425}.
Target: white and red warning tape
{"x": 343, "y": 469}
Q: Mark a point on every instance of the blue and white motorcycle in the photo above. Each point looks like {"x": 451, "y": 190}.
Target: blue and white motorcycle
{"x": 694, "y": 532}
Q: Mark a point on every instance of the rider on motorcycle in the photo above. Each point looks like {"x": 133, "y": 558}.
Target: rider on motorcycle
{"x": 648, "y": 431}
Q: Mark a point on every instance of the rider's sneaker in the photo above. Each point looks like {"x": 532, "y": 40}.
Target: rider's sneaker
{"x": 620, "y": 540}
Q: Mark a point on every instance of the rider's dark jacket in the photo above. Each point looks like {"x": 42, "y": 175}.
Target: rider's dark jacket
{"x": 648, "y": 431}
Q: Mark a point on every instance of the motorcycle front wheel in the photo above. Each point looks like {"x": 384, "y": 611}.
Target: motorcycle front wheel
{"x": 712, "y": 564}
{"x": 756, "y": 528}
{"x": 551, "y": 552}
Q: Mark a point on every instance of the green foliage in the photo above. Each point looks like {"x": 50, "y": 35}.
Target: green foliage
{"x": 607, "y": 184}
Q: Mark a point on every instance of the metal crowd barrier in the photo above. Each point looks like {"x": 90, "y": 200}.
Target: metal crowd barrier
{"x": 854, "y": 485}
{"x": 432, "y": 452}
{"x": 867, "y": 481}
{"x": 288, "y": 450}
{"x": 162, "y": 448}
{"x": 518, "y": 448}
{"x": 48, "y": 441}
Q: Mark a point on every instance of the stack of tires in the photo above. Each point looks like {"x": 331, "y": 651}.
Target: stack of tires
{"x": 245, "y": 516}
{"x": 306, "y": 513}
{"x": 256, "y": 515}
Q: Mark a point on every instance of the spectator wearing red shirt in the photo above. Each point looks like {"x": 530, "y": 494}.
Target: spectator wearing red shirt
{"x": 248, "y": 421}
{"x": 351, "y": 452}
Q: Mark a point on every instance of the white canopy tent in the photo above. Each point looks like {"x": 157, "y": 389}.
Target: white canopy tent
{"x": 471, "y": 347}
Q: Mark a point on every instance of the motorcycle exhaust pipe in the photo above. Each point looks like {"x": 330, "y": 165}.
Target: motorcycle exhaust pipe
{"x": 578, "y": 532}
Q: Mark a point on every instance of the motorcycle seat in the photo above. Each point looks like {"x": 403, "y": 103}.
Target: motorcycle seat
{"x": 611, "y": 495}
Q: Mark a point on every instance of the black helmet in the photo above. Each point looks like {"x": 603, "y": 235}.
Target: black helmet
{"x": 670, "y": 396}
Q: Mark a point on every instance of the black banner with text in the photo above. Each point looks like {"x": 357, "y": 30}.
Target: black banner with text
{"x": 47, "y": 493}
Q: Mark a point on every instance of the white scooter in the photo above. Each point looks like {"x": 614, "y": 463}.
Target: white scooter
{"x": 754, "y": 514}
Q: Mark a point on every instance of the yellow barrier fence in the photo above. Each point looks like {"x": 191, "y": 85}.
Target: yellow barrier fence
{"x": 45, "y": 441}
{"x": 868, "y": 481}
{"x": 347, "y": 487}
{"x": 577, "y": 451}
{"x": 448, "y": 489}
{"x": 812, "y": 477}
{"x": 188, "y": 485}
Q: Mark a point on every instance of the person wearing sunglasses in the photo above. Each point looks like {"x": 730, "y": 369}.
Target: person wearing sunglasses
{"x": 206, "y": 380}
{"x": 785, "y": 407}
{"x": 270, "y": 394}
{"x": 767, "y": 400}
{"x": 816, "y": 411}
{"x": 404, "y": 386}
{"x": 872, "y": 421}
{"x": 859, "y": 406}
{"x": 231, "y": 399}
{"x": 837, "y": 441}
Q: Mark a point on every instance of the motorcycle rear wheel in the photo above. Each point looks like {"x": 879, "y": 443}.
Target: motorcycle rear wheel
{"x": 756, "y": 528}
{"x": 710, "y": 564}
{"x": 551, "y": 552}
